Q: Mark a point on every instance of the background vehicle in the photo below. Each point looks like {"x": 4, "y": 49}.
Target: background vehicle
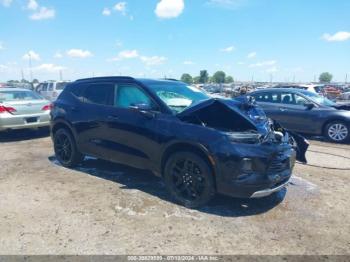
{"x": 199, "y": 145}
{"x": 51, "y": 90}
{"x": 22, "y": 108}
{"x": 305, "y": 112}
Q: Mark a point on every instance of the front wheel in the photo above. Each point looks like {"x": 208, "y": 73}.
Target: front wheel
{"x": 189, "y": 179}
{"x": 65, "y": 149}
{"x": 337, "y": 131}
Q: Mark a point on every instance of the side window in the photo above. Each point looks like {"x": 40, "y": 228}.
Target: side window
{"x": 44, "y": 87}
{"x": 39, "y": 88}
{"x": 50, "y": 88}
{"x": 267, "y": 97}
{"x": 300, "y": 100}
{"x": 101, "y": 94}
{"x": 287, "y": 98}
{"x": 130, "y": 95}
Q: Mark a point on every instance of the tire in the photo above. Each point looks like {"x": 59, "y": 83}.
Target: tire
{"x": 337, "y": 131}
{"x": 189, "y": 179}
{"x": 65, "y": 149}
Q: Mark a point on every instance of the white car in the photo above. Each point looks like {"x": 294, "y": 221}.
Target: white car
{"x": 51, "y": 90}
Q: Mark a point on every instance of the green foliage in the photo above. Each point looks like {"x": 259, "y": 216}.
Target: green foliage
{"x": 326, "y": 77}
{"x": 196, "y": 80}
{"x": 229, "y": 79}
{"x": 219, "y": 77}
{"x": 203, "y": 76}
{"x": 187, "y": 78}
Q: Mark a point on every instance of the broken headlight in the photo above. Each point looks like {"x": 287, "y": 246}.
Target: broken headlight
{"x": 244, "y": 137}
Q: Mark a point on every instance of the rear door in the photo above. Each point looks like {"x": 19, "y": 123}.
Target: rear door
{"x": 96, "y": 103}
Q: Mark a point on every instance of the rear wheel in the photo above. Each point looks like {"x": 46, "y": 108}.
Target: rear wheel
{"x": 337, "y": 131}
{"x": 189, "y": 179}
{"x": 65, "y": 149}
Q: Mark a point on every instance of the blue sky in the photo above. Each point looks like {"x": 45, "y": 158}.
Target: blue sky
{"x": 151, "y": 38}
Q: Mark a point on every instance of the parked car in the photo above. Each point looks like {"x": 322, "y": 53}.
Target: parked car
{"x": 199, "y": 145}
{"x": 306, "y": 112}
{"x": 22, "y": 108}
{"x": 51, "y": 90}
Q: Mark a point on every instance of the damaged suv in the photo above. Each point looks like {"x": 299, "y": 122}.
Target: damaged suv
{"x": 197, "y": 144}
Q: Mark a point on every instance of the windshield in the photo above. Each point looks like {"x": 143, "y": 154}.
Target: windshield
{"x": 18, "y": 95}
{"x": 177, "y": 95}
{"x": 318, "y": 99}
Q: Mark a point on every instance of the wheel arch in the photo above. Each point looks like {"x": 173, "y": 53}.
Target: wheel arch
{"x": 333, "y": 119}
{"x": 62, "y": 124}
{"x": 200, "y": 150}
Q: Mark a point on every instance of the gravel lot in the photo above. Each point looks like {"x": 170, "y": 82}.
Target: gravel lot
{"x": 104, "y": 208}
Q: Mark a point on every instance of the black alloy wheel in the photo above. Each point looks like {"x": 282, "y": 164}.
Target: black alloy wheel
{"x": 189, "y": 179}
{"x": 65, "y": 149}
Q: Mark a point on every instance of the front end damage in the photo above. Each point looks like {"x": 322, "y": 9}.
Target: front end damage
{"x": 255, "y": 156}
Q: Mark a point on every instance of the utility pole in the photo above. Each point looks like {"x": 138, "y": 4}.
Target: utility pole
{"x": 30, "y": 67}
{"x": 271, "y": 78}
{"x": 22, "y": 74}
{"x": 61, "y": 76}
{"x": 346, "y": 78}
{"x": 294, "y": 78}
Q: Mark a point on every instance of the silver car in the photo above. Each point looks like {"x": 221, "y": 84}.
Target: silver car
{"x": 22, "y": 108}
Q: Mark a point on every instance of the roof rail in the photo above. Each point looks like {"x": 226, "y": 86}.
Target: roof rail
{"x": 106, "y": 78}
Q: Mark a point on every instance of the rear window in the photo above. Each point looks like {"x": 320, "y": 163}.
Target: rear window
{"x": 18, "y": 95}
{"x": 61, "y": 85}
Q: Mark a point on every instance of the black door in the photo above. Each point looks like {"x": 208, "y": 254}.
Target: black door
{"x": 131, "y": 127}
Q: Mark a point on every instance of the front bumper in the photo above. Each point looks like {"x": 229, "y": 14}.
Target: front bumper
{"x": 269, "y": 191}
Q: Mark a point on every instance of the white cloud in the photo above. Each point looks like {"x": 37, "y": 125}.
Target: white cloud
{"x": 251, "y": 55}
{"x": 32, "y": 5}
{"x": 48, "y": 68}
{"x": 169, "y": 8}
{"x": 240, "y": 63}
{"x": 79, "y": 53}
{"x": 6, "y": 3}
{"x": 31, "y": 55}
{"x": 120, "y": 7}
{"x": 228, "y": 49}
{"x": 264, "y": 63}
{"x": 43, "y": 13}
{"x": 58, "y": 55}
{"x": 106, "y": 12}
{"x": 337, "y": 37}
{"x": 188, "y": 62}
{"x": 153, "y": 60}
{"x": 1, "y": 46}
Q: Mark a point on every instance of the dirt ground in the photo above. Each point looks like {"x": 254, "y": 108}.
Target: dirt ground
{"x": 104, "y": 208}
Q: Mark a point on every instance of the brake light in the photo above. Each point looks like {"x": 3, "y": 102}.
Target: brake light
{"x": 8, "y": 109}
{"x": 47, "y": 107}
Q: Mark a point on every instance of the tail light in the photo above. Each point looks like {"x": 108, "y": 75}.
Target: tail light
{"x": 8, "y": 109}
{"x": 47, "y": 107}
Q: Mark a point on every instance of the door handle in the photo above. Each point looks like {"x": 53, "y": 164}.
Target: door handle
{"x": 283, "y": 109}
{"x": 113, "y": 118}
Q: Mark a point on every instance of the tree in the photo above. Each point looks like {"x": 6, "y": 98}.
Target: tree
{"x": 196, "y": 80}
{"x": 219, "y": 77}
{"x": 203, "y": 76}
{"x": 326, "y": 77}
{"x": 187, "y": 78}
{"x": 229, "y": 79}
{"x": 35, "y": 81}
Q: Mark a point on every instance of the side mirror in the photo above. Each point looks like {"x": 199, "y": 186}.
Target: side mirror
{"x": 309, "y": 106}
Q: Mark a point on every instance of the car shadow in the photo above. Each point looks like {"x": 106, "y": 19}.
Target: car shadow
{"x": 145, "y": 181}
{"x": 23, "y": 134}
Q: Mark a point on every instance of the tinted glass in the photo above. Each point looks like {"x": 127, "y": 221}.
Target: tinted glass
{"x": 102, "y": 94}
{"x": 131, "y": 95}
{"x": 267, "y": 97}
{"x": 50, "y": 87}
{"x": 44, "y": 87}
